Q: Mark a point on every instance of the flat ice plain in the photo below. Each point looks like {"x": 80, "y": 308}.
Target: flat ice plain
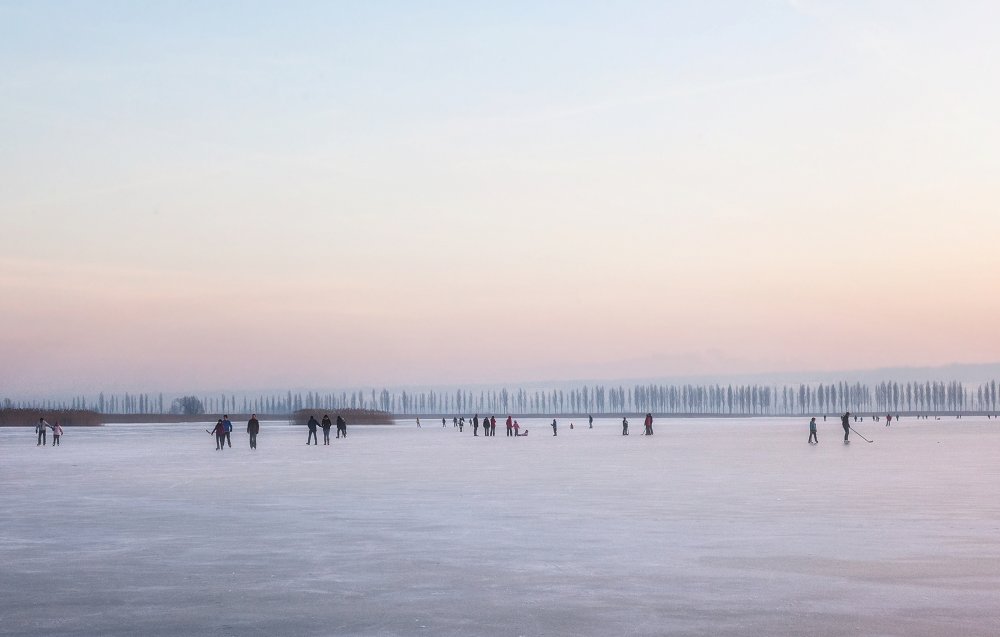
{"x": 710, "y": 527}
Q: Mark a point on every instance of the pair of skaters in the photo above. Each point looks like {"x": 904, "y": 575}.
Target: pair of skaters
{"x": 223, "y": 433}
{"x": 845, "y": 422}
{"x": 41, "y": 428}
{"x": 326, "y": 425}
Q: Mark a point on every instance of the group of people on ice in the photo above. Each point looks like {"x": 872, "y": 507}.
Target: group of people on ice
{"x": 42, "y": 427}
{"x": 326, "y": 425}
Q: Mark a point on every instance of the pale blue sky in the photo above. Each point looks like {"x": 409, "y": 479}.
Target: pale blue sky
{"x": 400, "y": 186}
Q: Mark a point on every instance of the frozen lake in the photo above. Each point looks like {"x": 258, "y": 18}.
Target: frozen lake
{"x": 710, "y": 527}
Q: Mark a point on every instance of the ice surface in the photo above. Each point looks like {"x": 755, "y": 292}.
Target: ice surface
{"x": 710, "y": 527}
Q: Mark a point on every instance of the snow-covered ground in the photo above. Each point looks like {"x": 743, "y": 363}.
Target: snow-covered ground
{"x": 710, "y": 527}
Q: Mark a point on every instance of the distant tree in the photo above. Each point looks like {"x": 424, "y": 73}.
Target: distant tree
{"x": 187, "y": 405}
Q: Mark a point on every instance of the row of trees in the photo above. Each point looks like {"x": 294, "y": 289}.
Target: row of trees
{"x": 740, "y": 399}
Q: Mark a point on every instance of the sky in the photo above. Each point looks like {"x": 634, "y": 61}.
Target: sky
{"x": 239, "y": 195}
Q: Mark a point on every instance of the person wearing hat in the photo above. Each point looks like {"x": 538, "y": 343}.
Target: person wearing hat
{"x": 845, "y": 420}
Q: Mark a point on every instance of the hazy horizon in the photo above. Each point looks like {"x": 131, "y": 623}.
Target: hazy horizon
{"x": 366, "y": 195}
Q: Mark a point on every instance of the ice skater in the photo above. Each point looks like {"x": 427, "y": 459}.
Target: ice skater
{"x": 418, "y": 424}
{"x": 625, "y": 426}
{"x": 493, "y": 426}
{"x": 812, "y": 432}
{"x": 228, "y": 426}
{"x": 253, "y": 428}
{"x": 40, "y": 430}
{"x": 888, "y": 419}
{"x": 510, "y": 427}
{"x": 475, "y": 425}
{"x": 845, "y": 420}
{"x": 590, "y": 417}
{"x": 220, "y": 435}
{"x": 312, "y": 424}
{"x": 56, "y": 434}
{"x": 341, "y": 426}
{"x": 648, "y": 424}
{"x": 327, "y": 424}
{"x": 555, "y": 427}
{"x": 461, "y": 424}
{"x": 517, "y": 429}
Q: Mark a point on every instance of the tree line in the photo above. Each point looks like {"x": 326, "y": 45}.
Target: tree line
{"x": 703, "y": 399}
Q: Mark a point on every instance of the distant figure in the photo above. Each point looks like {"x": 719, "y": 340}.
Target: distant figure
{"x": 220, "y": 435}
{"x": 312, "y": 424}
{"x": 475, "y": 425}
{"x": 510, "y": 427}
{"x": 570, "y": 425}
{"x": 253, "y": 428}
{"x": 442, "y": 423}
{"x": 56, "y": 433}
{"x": 418, "y": 424}
{"x": 454, "y": 422}
{"x": 493, "y": 425}
{"x": 888, "y": 419}
{"x": 824, "y": 417}
{"x": 517, "y": 429}
{"x": 625, "y": 426}
{"x": 648, "y": 425}
{"x": 40, "y": 430}
{"x": 555, "y": 430}
{"x": 845, "y": 420}
{"x": 341, "y": 426}
{"x": 228, "y": 426}
{"x": 461, "y": 424}
{"x": 327, "y": 424}
{"x": 591, "y": 418}
{"x": 812, "y": 432}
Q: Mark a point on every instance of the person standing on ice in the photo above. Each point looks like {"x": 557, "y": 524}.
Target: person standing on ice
{"x": 812, "y": 432}
{"x": 475, "y": 425}
{"x": 341, "y": 426}
{"x": 493, "y": 425}
{"x": 40, "y": 430}
{"x": 555, "y": 427}
{"x": 517, "y": 429}
{"x": 228, "y": 426}
{"x": 845, "y": 421}
{"x": 625, "y": 426}
{"x": 253, "y": 428}
{"x": 312, "y": 424}
{"x": 327, "y": 424}
{"x": 510, "y": 427}
{"x": 56, "y": 434}
{"x": 888, "y": 419}
{"x": 461, "y": 424}
{"x": 648, "y": 425}
{"x": 418, "y": 424}
{"x": 220, "y": 435}
{"x": 591, "y": 417}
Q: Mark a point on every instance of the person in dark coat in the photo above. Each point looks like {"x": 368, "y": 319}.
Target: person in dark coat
{"x": 493, "y": 425}
{"x": 312, "y": 424}
{"x": 220, "y": 435}
{"x": 227, "y": 425}
{"x": 475, "y": 425}
{"x": 554, "y": 427}
{"x": 812, "y": 432}
{"x": 625, "y": 426}
{"x": 40, "y": 430}
{"x": 845, "y": 421}
{"x": 253, "y": 428}
{"x": 510, "y": 426}
{"x": 591, "y": 418}
{"x": 341, "y": 426}
{"x": 327, "y": 424}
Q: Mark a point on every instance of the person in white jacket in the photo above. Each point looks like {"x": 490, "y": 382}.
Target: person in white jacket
{"x": 56, "y": 433}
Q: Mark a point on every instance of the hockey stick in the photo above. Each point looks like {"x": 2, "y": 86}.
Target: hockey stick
{"x": 859, "y": 435}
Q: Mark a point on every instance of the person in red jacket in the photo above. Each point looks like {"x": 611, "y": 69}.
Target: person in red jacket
{"x": 649, "y": 425}
{"x": 220, "y": 435}
{"x": 510, "y": 426}
{"x": 493, "y": 425}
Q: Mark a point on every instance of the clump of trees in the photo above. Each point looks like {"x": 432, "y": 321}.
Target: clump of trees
{"x": 187, "y": 406}
{"x": 352, "y": 416}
